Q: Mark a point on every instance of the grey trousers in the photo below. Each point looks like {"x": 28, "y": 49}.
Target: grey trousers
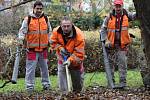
{"x": 77, "y": 78}
{"x": 30, "y": 71}
{"x": 118, "y": 59}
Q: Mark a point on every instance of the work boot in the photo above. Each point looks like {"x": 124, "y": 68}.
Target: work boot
{"x": 29, "y": 92}
{"x": 119, "y": 87}
{"x": 46, "y": 88}
{"x": 147, "y": 87}
{"x": 122, "y": 86}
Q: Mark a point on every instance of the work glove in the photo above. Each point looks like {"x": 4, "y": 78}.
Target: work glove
{"x": 67, "y": 63}
{"x": 63, "y": 52}
{"x": 108, "y": 44}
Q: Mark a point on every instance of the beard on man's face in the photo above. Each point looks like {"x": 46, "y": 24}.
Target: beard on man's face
{"x": 38, "y": 13}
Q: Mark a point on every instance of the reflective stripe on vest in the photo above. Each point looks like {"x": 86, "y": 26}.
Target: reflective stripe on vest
{"x": 113, "y": 30}
{"x": 37, "y": 32}
{"x": 79, "y": 50}
{"x": 35, "y": 45}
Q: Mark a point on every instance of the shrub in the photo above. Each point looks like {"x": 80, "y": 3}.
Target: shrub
{"x": 83, "y": 22}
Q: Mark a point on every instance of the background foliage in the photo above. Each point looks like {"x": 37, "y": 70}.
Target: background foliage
{"x": 89, "y": 22}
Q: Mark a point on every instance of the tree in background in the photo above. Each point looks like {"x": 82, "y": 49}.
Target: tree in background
{"x": 143, "y": 9}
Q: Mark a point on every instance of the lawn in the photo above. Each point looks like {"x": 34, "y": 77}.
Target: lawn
{"x": 97, "y": 78}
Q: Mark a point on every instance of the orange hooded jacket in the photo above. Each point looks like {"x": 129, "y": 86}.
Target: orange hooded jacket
{"x": 75, "y": 45}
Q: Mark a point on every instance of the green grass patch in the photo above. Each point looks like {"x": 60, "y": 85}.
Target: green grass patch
{"x": 134, "y": 79}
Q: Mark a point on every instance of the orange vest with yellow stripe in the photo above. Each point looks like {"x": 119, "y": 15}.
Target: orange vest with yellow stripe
{"x": 125, "y": 37}
{"x": 37, "y": 36}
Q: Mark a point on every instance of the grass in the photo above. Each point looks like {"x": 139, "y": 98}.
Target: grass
{"x": 133, "y": 80}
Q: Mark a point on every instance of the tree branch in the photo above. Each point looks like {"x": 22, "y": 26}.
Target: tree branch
{"x": 21, "y": 3}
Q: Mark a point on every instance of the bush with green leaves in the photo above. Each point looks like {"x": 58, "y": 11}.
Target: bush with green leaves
{"x": 83, "y": 22}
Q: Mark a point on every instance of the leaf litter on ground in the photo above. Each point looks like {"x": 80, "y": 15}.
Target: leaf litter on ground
{"x": 90, "y": 93}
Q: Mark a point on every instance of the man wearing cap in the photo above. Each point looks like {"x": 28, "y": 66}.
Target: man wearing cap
{"x": 114, "y": 33}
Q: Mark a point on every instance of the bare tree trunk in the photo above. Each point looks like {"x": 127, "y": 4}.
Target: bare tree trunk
{"x": 143, "y": 9}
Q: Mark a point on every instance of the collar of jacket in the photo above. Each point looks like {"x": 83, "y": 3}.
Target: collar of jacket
{"x": 60, "y": 31}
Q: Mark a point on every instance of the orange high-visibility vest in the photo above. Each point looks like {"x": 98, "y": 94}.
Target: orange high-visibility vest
{"x": 125, "y": 37}
{"x": 37, "y": 36}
